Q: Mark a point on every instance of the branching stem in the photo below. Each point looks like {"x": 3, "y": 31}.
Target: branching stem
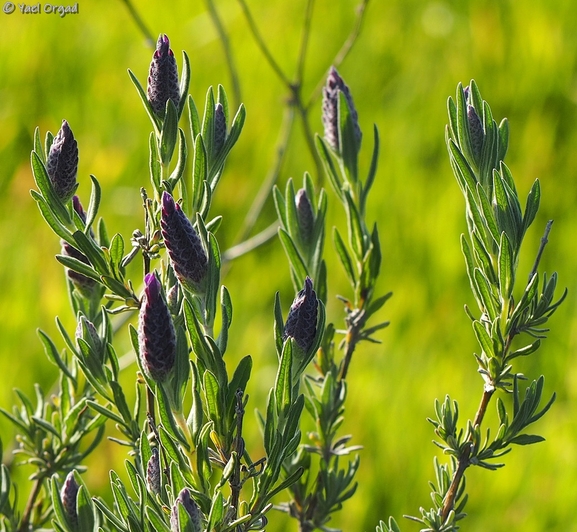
{"x": 544, "y": 241}
{"x": 24, "y": 523}
{"x": 463, "y": 462}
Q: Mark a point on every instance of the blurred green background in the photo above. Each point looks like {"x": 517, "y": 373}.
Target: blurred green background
{"x": 408, "y": 59}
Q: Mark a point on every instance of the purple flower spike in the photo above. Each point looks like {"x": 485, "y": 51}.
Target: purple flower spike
{"x": 62, "y": 164}
{"x": 68, "y": 497}
{"x": 185, "y": 250}
{"x": 163, "y": 78}
{"x": 156, "y": 336}
{"x": 331, "y": 90}
{"x": 301, "y": 323}
{"x": 192, "y": 510}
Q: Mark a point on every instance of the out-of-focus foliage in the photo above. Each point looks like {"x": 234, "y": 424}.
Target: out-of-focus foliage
{"x": 407, "y": 61}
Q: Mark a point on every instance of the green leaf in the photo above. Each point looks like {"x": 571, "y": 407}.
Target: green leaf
{"x": 193, "y": 118}
{"x": 283, "y": 384}
{"x": 239, "y": 381}
{"x": 372, "y": 170}
{"x": 484, "y": 339}
{"x": 167, "y": 417}
{"x": 92, "y": 251}
{"x": 84, "y": 509}
{"x": 344, "y": 256}
{"x": 234, "y": 134}
{"x": 329, "y": 166}
{"x": 226, "y": 314}
{"x": 43, "y": 183}
{"x": 295, "y": 259}
{"x": 184, "y": 84}
{"x": 53, "y": 222}
{"x": 116, "y": 255}
{"x": 53, "y": 355}
{"x": 506, "y": 268}
{"x": 348, "y": 143}
{"x": 156, "y": 122}
{"x": 212, "y": 392}
{"x": 532, "y": 206}
{"x": 487, "y": 301}
{"x": 199, "y": 172}
{"x": 93, "y": 204}
{"x": 154, "y": 163}
{"x": 526, "y": 439}
{"x": 356, "y": 235}
{"x": 180, "y": 167}
{"x": 461, "y": 167}
{"x": 168, "y": 133}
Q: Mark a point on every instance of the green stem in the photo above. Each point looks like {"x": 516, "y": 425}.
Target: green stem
{"x": 24, "y": 523}
{"x": 140, "y": 23}
{"x": 343, "y": 52}
{"x": 227, "y": 51}
{"x": 463, "y": 462}
{"x": 261, "y": 44}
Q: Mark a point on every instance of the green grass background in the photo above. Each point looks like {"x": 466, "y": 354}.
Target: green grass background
{"x": 408, "y": 59}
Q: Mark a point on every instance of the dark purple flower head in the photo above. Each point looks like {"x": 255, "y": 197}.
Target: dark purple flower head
{"x": 163, "y": 78}
{"x": 68, "y": 497}
{"x": 305, "y": 215}
{"x": 156, "y": 336}
{"x": 62, "y": 163}
{"x": 185, "y": 250}
{"x": 301, "y": 323}
{"x": 219, "y": 128}
{"x": 192, "y": 510}
{"x": 153, "y": 472}
{"x": 333, "y": 87}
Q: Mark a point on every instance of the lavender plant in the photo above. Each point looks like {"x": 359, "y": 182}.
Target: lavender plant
{"x": 512, "y": 312}
{"x": 189, "y": 467}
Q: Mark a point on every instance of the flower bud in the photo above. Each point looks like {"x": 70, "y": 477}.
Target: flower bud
{"x": 156, "y": 336}
{"x": 88, "y": 332}
{"x": 163, "y": 78}
{"x": 153, "y": 472}
{"x": 62, "y": 163}
{"x": 185, "y": 250}
{"x": 85, "y": 285}
{"x": 68, "y": 495}
{"x": 305, "y": 215}
{"x": 219, "y": 129}
{"x": 331, "y": 90}
{"x": 192, "y": 510}
{"x": 476, "y": 132}
{"x": 301, "y": 323}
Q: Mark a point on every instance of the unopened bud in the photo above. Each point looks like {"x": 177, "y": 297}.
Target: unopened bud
{"x": 219, "y": 128}
{"x": 185, "y": 250}
{"x": 85, "y": 285}
{"x": 301, "y": 323}
{"x": 88, "y": 332}
{"x": 195, "y": 515}
{"x": 62, "y": 163}
{"x": 305, "y": 215}
{"x": 156, "y": 336}
{"x": 476, "y": 132}
{"x": 68, "y": 495}
{"x": 333, "y": 87}
{"x": 153, "y": 472}
{"x": 163, "y": 78}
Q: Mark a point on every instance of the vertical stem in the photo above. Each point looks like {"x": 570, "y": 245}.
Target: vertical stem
{"x": 227, "y": 51}
{"x": 463, "y": 462}
{"x": 24, "y": 523}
